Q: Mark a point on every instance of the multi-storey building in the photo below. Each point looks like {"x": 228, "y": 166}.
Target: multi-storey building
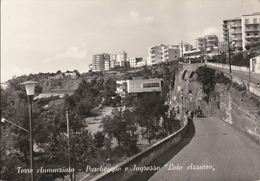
{"x": 222, "y": 47}
{"x": 185, "y": 47}
{"x": 107, "y": 65}
{"x": 212, "y": 41}
{"x": 155, "y": 55}
{"x": 120, "y": 58}
{"x": 98, "y": 61}
{"x": 232, "y": 30}
{"x": 136, "y": 62}
{"x": 170, "y": 53}
{"x": 163, "y": 53}
{"x": 251, "y": 29}
{"x": 112, "y": 63}
{"x": 242, "y": 31}
{"x": 207, "y": 42}
{"x": 201, "y": 43}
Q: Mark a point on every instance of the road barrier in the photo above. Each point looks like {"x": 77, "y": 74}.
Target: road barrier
{"x": 226, "y": 66}
{"x": 250, "y": 86}
{"x": 123, "y": 171}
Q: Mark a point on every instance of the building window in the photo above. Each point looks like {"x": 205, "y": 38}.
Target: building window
{"x": 255, "y": 20}
{"x": 247, "y": 21}
{"x": 148, "y": 85}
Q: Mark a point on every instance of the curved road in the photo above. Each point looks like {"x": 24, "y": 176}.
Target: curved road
{"x": 221, "y": 152}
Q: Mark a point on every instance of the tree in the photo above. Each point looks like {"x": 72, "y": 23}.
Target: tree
{"x": 207, "y": 77}
{"x": 122, "y": 127}
{"x": 148, "y": 111}
{"x": 99, "y": 139}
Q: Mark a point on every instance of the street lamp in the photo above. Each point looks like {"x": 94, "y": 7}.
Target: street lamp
{"x": 30, "y": 88}
{"x": 3, "y": 120}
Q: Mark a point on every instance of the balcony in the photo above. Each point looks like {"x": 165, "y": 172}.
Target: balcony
{"x": 236, "y": 26}
{"x": 236, "y": 32}
{"x": 238, "y": 45}
{"x": 237, "y": 39}
{"x": 253, "y": 37}
{"x": 253, "y": 23}
{"x": 253, "y": 30}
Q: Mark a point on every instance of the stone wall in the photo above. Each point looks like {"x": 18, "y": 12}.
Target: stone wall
{"x": 240, "y": 109}
{"x": 235, "y": 105}
{"x": 123, "y": 171}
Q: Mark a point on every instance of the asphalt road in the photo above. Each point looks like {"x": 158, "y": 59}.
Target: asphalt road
{"x": 221, "y": 152}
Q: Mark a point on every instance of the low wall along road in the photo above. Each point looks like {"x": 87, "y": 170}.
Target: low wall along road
{"x": 127, "y": 169}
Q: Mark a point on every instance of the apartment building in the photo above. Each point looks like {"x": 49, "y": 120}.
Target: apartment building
{"x": 155, "y": 55}
{"x": 196, "y": 53}
{"x": 208, "y": 41}
{"x": 250, "y": 29}
{"x": 98, "y": 61}
{"x": 107, "y": 65}
{"x": 222, "y": 47}
{"x": 185, "y": 47}
{"x": 170, "y": 53}
{"x": 136, "y": 61}
{"x": 232, "y": 30}
{"x": 119, "y": 59}
{"x": 163, "y": 53}
{"x": 242, "y": 31}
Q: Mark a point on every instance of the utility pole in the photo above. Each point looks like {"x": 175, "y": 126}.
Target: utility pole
{"x": 206, "y": 52}
{"x": 68, "y": 134}
{"x": 229, "y": 61}
{"x": 182, "y": 51}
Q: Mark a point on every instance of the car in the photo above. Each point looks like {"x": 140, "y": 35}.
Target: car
{"x": 199, "y": 113}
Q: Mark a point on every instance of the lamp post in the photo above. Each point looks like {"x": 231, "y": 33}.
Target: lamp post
{"x": 30, "y": 88}
{"x": 229, "y": 61}
{"x": 3, "y": 120}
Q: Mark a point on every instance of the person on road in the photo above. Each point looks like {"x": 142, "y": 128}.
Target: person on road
{"x": 258, "y": 85}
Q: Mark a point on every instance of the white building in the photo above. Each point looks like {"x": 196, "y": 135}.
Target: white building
{"x": 138, "y": 86}
{"x": 192, "y": 54}
{"x": 107, "y": 65}
{"x": 163, "y": 53}
{"x": 255, "y": 64}
{"x": 136, "y": 61}
{"x": 141, "y": 63}
{"x": 71, "y": 74}
{"x": 170, "y": 53}
{"x": 119, "y": 59}
{"x": 242, "y": 31}
{"x": 98, "y": 61}
{"x": 250, "y": 29}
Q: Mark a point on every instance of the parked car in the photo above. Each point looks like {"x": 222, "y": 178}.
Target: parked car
{"x": 199, "y": 113}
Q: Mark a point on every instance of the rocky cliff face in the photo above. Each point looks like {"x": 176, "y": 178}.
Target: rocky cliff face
{"x": 238, "y": 108}
{"x": 229, "y": 102}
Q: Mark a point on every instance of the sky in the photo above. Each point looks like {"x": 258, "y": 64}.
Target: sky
{"x": 50, "y": 35}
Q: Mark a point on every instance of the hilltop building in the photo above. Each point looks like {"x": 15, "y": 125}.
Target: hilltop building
{"x": 242, "y": 31}
{"x": 136, "y": 61}
{"x": 163, "y": 53}
{"x": 105, "y": 61}
{"x": 98, "y": 61}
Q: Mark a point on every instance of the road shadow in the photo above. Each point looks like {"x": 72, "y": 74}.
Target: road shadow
{"x": 171, "y": 152}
